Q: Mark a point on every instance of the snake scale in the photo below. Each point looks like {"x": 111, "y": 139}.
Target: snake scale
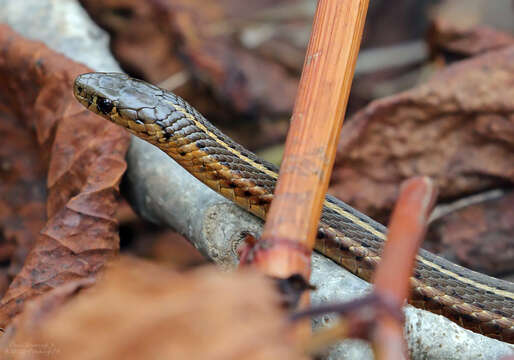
{"x": 473, "y": 300}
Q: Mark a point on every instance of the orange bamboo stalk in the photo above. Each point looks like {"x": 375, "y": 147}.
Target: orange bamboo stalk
{"x": 291, "y": 225}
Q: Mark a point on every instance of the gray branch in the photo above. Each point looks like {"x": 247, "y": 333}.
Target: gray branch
{"x": 164, "y": 193}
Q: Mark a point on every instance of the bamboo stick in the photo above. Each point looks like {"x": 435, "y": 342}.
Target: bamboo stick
{"x": 291, "y": 225}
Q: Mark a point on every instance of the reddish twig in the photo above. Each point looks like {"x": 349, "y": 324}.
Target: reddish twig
{"x": 392, "y": 276}
{"x": 378, "y": 317}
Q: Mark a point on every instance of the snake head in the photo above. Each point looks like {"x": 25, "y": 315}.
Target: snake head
{"x": 121, "y": 99}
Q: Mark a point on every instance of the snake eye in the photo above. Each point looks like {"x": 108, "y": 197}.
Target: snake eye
{"x": 104, "y": 105}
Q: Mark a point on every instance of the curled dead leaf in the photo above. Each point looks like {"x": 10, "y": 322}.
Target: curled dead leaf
{"x": 84, "y": 156}
{"x": 458, "y": 129}
{"x": 143, "y": 311}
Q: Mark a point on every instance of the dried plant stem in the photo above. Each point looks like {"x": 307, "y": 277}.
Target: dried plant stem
{"x": 392, "y": 276}
{"x": 310, "y": 147}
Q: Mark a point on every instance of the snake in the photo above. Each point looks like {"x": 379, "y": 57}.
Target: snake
{"x": 473, "y": 300}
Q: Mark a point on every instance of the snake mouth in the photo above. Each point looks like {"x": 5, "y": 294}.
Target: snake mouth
{"x": 80, "y": 93}
{"x": 78, "y": 90}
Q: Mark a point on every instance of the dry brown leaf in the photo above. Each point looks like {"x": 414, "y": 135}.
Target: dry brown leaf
{"x": 458, "y": 129}
{"x": 142, "y": 311}
{"x": 465, "y": 41}
{"x": 479, "y": 236}
{"x": 22, "y": 189}
{"x": 36, "y": 312}
{"x": 85, "y": 159}
{"x": 247, "y": 81}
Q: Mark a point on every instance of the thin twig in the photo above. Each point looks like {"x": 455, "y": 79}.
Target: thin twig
{"x": 392, "y": 276}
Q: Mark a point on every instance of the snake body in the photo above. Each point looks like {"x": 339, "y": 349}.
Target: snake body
{"x": 473, "y": 300}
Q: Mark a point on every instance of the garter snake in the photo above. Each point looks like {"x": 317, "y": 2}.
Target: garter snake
{"x": 473, "y": 300}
